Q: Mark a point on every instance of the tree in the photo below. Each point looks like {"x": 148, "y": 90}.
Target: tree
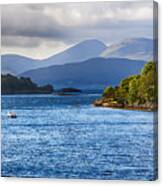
{"x": 133, "y": 96}
{"x": 12, "y": 84}
{"x": 137, "y": 89}
{"x": 109, "y": 92}
{"x": 148, "y": 83}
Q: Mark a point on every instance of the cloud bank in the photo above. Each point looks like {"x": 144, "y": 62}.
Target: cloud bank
{"x": 40, "y": 30}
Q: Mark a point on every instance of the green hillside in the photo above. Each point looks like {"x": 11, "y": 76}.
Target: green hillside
{"x": 137, "y": 91}
{"x": 13, "y": 85}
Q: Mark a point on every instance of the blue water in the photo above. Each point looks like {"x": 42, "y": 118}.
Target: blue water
{"x": 67, "y": 137}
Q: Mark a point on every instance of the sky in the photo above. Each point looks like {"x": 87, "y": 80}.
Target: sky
{"x": 42, "y": 30}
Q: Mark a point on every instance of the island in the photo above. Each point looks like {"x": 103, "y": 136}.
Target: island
{"x": 11, "y": 84}
{"x": 137, "y": 92}
{"x": 68, "y": 91}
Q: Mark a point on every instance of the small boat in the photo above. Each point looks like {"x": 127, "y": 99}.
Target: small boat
{"x": 11, "y": 115}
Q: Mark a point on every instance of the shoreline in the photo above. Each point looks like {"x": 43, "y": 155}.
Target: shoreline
{"x": 101, "y": 103}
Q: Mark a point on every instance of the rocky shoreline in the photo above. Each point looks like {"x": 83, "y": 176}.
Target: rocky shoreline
{"x": 105, "y": 103}
{"x": 136, "y": 92}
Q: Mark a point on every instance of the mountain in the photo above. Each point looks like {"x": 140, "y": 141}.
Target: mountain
{"x": 92, "y": 73}
{"x": 16, "y": 64}
{"x": 79, "y": 52}
{"x": 137, "y": 48}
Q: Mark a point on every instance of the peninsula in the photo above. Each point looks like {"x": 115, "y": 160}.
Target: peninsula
{"x": 21, "y": 85}
{"x": 137, "y": 92}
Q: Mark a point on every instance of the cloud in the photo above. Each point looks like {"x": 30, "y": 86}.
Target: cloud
{"x": 20, "y": 20}
{"x": 19, "y": 41}
{"x": 64, "y": 24}
{"x": 91, "y": 13}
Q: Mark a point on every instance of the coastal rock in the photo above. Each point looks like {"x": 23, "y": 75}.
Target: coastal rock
{"x": 105, "y": 104}
{"x": 98, "y": 103}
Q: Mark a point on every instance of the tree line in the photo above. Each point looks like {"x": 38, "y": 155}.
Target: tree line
{"x": 14, "y": 85}
{"x": 136, "y": 90}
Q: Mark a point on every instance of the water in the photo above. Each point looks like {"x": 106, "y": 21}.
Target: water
{"x": 67, "y": 137}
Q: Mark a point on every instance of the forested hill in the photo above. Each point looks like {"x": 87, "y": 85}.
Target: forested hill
{"x": 135, "y": 92}
{"x": 13, "y": 85}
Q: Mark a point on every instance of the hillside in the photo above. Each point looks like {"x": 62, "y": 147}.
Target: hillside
{"x": 136, "y": 48}
{"x": 135, "y": 92}
{"x": 12, "y": 85}
{"x": 93, "y": 73}
{"x": 80, "y": 52}
{"x": 16, "y": 64}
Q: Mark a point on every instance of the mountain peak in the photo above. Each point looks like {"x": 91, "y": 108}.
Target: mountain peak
{"x": 79, "y": 52}
{"x": 132, "y": 48}
{"x": 89, "y": 44}
{"x": 136, "y": 39}
{"x": 92, "y": 41}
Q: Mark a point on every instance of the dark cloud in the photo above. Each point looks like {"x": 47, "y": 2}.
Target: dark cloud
{"x": 110, "y": 31}
{"x": 32, "y": 25}
{"x": 21, "y": 21}
{"x": 18, "y": 41}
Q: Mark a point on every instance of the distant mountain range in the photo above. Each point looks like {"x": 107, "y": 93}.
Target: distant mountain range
{"x": 138, "y": 48}
{"x": 16, "y": 64}
{"x": 84, "y": 50}
{"x": 89, "y": 63}
{"x": 92, "y": 73}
